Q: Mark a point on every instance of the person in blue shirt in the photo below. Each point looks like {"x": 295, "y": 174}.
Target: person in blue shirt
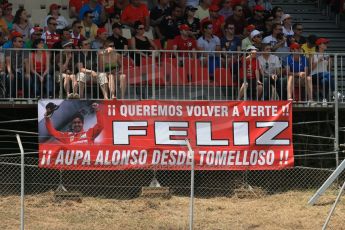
{"x": 297, "y": 69}
{"x": 98, "y": 12}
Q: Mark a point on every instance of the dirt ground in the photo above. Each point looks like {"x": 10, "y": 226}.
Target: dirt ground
{"x": 282, "y": 211}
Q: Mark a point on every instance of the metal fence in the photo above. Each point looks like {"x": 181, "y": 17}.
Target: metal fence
{"x": 167, "y": 74}
{"x": 42, "y": 189}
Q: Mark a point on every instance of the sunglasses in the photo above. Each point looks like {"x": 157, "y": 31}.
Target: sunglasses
{"x": 80, "y": 27}
{"x": 85, "y": 44}
{"x": 299, "y": 29}
{"x": 20, "y": 41}
{"x": 141, "y": 28}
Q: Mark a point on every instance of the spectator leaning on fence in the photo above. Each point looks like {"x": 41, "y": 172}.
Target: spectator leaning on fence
{"x": 42, "y": 81}
{"x": 17, "y": 67}
{"x": 297, "y": 69}
{"x": 270, "y": 69}
{"x": 110, "y": 68}
{"x": 250, "y": 76}
{"x": 86, "y": 67}
{"x": 66, "y": 73}
{"x": 320, "y": 70}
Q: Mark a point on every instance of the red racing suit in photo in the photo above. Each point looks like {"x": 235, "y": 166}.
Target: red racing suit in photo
{"x": 82, "y": 137}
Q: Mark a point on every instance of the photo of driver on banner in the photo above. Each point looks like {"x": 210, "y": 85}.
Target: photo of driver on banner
{"x": 76, "y": 134}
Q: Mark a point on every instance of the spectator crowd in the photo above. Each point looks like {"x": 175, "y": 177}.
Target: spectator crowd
{"x": 272, "y": 42}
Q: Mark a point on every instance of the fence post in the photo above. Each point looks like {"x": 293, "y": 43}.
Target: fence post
{"x": 153, "y": 74}
{"x": 336, "y": 111}
{"x": 191, "y": 204}
{"x": 21, "y": 182}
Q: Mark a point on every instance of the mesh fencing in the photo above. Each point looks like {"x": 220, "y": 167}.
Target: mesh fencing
{"x": 121, "y": 193}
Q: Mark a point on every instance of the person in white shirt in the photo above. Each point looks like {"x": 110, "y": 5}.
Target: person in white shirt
{"x": 270, "y": 70}
{"x": 320, "y": 70}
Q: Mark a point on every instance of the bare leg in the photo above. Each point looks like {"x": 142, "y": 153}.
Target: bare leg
{"x": 290, "y": 85}
{"x": 259, "y": 90}
{"x": 309, "y": 85}
{"x": 112, "y": 86}
{"x": 242, "y": 89}
{"x": 123, "y": 85}
{"x": 81, "y": 89}
{"x": 66, "y": 83}
{"x": 104, "y": 89}
{"x": 74, "y": 83}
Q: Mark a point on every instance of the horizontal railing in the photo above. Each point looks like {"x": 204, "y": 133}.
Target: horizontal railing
{"x": 190, "y": 75}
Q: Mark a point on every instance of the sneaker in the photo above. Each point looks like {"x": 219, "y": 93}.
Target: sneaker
{"x": 70, "y": 96}
{"x": 311, "y": 103}
{"x": 324, "y": 102}
{"x": 76, "y": 96}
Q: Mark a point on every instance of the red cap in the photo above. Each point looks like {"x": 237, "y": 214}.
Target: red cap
{"x": 54, "y": 6}
{"x": 214, "y": 8}
{"x": 295, "y": 46}
{"x": 250, "y": 28}
{"x": 15, "y": 34}
{"x": 184, "y": 27}
{"x": 101, "y": 30}
{"x": 321, "y": 41}
{"x": 259, "y": 8}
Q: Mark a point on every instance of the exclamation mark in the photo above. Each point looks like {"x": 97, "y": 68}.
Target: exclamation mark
{"x": 109, "y": 110}
{"x": 286, "y": 157}
{"x": 285, "y": 110}
{"x": 43, "y": 160}
{"x": 281, "y": 157}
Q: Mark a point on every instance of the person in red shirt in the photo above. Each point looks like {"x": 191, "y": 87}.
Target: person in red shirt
{"x": 184, "y": 42}
{"x": 136, "y": 11}
{"x": 217, "y": 20}
{"x": 250, "y": 76}
{"x": 50, "y": 37}
{"x": 75, "y": 6}
{"x": 77, "y": 135}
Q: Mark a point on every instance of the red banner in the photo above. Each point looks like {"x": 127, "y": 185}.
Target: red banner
{"x": 118, "y": 135}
